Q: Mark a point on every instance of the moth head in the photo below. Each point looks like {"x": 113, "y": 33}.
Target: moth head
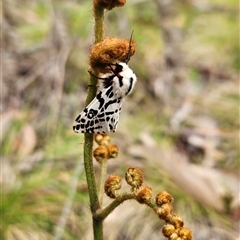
{"x": 122, "y": 66}
{"x": 118, "y": 67}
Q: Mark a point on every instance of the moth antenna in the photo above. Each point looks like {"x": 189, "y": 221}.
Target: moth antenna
{"x": 130, "y": 46}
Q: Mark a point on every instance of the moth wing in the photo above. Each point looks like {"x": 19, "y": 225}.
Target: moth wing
{"x": 111, "y": 114}
{"x": 101, "y": 115}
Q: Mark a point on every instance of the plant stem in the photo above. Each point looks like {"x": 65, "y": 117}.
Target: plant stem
{"x": 88, "y": 142}
{"x": 92, "y": 189}
{"x": 102, "y": 179}
{"x": 103, "y": 213}
{"x": 99, "y": 23}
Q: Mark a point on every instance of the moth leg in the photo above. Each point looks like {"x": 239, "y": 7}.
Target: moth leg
{"x": 96, "y": 76}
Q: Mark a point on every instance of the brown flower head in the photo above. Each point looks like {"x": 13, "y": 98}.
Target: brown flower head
{"x": 112, "y": 184}
{"x": 165, "y": 211}
{"x": 163, "y": 197}
{"x": 102, "y": 139}
{"x": 134, "y": 177}
{"x": 144, "y": 194}
{"x": 110, "y": 51}
{"x": 168, "y": 230}
{"x": 174, "y": 236}
{"x": 184, "y": 233}
{"x": 112, "y": 151}
{"x": 109, "y": 4}
{"x": 101, "y": 153}
{"x": 176, "y": 221}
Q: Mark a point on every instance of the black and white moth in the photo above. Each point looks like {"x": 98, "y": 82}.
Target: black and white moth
{"x": 102, "y": 114}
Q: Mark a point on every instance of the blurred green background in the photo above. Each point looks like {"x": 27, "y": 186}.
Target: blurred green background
{"x": 179, "y": 126}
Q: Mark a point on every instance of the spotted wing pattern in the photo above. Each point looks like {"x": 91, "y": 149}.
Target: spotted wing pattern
{"x": 101, "y": 115}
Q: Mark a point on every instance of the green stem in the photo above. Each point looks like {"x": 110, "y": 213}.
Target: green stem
{"x": 99, "y": 23}
{"x": 88, "y": 143}
{"x": 92, "y": 189}
{"x": 103, "y": 213}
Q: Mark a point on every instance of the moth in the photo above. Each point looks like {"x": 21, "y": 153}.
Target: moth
{"x": 102, "y": 114}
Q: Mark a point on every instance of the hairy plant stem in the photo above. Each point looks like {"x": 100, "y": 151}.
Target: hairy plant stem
{"x": 99, "y": 23}
{"x": 88, "y": 141}
{"x": 103, "y": 213}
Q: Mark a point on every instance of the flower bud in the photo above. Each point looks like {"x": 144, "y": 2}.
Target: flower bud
{"x": 102, "y": 139}
{"x": 176, "y": 221}
{"x": 134, "y": 177}
{"x": 100, "y": 153}
{"x": 112, "y": 151}
{"x": 144, "y": 194}
{"x": 184, "y": 233}
{"x": 112, "y": 184}
{"x": 165, "y": 211}
{"x": 168, "y": 230}
{"x": 174, "y": 236}
{"x": 163, "y": 197}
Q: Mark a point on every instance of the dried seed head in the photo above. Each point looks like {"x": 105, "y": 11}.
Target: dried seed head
{"x": 165, "y": 211}
{"x": 174, "y": 236}
{"x": 101, "y": 153}
{"x": 184, "y": 233}
{"x": 144, "y": 194}
{"x": 98, "y": 137}
{"x": 176, "y": 221}
{"x": 168, "y": 230}
{"x": 102, "y": 139}
{"x": 112, "y": 184}
{"x": 109, "y": 4}
{"x": 134, "y": 177}
{"x": 109, "y": 51}
{"x": 163, "y": 197}
{"x": 112, "y": 151}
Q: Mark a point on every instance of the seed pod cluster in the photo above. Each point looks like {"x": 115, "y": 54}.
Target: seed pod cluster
{"x": 110, "y": 51}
